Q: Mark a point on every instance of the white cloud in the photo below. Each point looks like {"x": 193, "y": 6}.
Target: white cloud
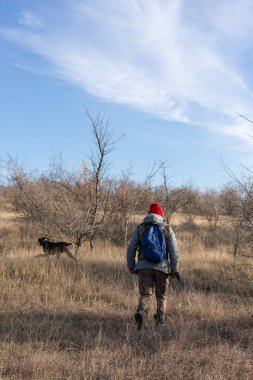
{"x": 31, "y": 20}
{"x": 160, "y": 57}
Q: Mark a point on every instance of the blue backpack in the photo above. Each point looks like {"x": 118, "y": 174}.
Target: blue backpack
{"x": 153, "y": 244}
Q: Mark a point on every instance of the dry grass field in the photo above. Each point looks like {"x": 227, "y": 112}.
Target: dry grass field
{"x": 59, "y": 322}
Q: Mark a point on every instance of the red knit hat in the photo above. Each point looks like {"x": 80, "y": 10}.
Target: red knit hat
{"x": 155, "y": 208}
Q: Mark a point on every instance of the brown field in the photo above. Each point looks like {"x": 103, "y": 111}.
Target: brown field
{"x": 59, "y": 322}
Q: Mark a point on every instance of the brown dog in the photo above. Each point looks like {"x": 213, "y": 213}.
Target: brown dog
{"x": 55, "y": 248}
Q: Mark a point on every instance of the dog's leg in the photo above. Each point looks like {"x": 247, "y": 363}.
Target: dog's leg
{"x": 58, "y": 254}
{"x": 46, "y": 252}
{"x": 70, "y": 254}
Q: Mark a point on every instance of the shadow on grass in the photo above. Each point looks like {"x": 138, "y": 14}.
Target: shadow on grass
{"x": 235, "y": 331}
{"x": 80, "y": 332}
{"x": 65, "y": 331}
{"x": 87, "y": 331}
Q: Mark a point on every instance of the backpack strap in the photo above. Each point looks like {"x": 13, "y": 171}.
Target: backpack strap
{"x": 166, "y": 230}
{"x": 141, "y": 231}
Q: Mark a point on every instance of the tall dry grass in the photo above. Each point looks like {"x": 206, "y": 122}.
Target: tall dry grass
{"x": 59, "y": 322}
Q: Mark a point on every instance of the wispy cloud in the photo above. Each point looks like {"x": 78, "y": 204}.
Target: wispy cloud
{"x": 30, "y": 19}
{"x": 178, "y": 60}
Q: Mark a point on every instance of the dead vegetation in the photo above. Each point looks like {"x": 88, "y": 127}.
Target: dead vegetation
{"x": 59, "y": 323}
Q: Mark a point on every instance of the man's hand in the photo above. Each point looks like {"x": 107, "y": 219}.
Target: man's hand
{"x": 175, "y": 274}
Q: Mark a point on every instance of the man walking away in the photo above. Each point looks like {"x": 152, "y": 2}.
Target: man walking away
{"x": 158, "y": 258}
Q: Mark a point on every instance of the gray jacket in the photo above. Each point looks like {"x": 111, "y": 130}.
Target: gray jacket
{"x": 171, "y": 249}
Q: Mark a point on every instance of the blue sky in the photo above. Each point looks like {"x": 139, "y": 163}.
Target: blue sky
{"x": 170, "y": 76}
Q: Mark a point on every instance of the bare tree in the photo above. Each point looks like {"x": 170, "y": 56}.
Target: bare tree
{"x": 134, "y": 196}
{"x": 230, "y": 200}
{"x": 100, "y": 186}
{"x": 172, "y": 198}
{"x": 72, "y": 204}
{"x": 240, "y": 201}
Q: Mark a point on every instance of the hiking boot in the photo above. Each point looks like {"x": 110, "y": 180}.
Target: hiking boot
{"x": 140, "y": 316}
{"x": 160, "y": 318}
